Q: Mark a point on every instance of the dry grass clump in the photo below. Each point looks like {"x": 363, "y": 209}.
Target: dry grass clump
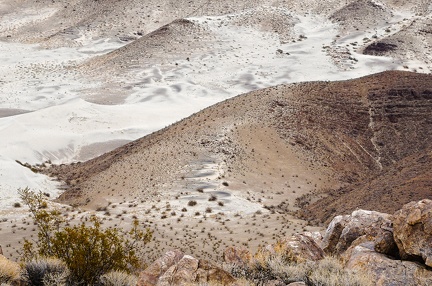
{"x": 118, "y": 278}
{"x": 330, "y": 271}
{"x": 277, "y": 267}
{"x": 9, "y": 271}
{"x": 54, "y": 272}
{"x": 45, "y": 271}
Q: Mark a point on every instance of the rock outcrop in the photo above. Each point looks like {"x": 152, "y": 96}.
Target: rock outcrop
{"x": 176, "y": 268}
{"x": 301, "y": 248}
{"x": 344, "y": 230}
{"x": 393, "y": 249}
{"x": 296, "y": 248}
{"x": 385, "y": 270}
{"x": 413, "y": 231}
{"x": 151, "y": 274}
{"x": 240, "y": 256}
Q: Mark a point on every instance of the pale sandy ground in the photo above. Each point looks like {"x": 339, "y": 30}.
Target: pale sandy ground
{"x": 205, "y": 235}
{"x": 50, "y": 110}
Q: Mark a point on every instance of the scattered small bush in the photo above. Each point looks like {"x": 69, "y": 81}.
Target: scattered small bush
{"x": 212, "y": 198}
{"x": 42, "y": 204}
{"x": 17, "y": 205}
{"x": 118, "y": 278}
{"x": 102, "y": 209}
{"x": 192, "y": 203}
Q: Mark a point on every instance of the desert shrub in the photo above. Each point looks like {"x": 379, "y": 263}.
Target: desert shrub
{"x": 9, "y": 270}
{"x": 192, "y": 203}
{"x": 212, "y": 198}
{"x": 45, "y": 271}
{"x": 88, "y": 250}
{"x": 118, "y": 278}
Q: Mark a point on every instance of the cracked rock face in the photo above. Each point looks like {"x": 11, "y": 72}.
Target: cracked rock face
{"x": 237, "y": 255}
{"x": 383, "y": 269}
{"x": 344, "y": 230}
{"x": 297, "y": 248}
{"x": 413, "y": 231}
{"x": 176, "y": 268}
{"x": 303, "y": 248}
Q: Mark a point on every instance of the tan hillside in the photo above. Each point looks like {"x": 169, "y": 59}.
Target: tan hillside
{"x": 301, "y": 138}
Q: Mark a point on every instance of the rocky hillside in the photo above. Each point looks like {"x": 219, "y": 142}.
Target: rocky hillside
{"x": 330, "y": 140}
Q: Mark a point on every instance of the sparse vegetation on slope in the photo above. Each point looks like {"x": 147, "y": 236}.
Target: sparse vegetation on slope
{"x": 332, "y": 134}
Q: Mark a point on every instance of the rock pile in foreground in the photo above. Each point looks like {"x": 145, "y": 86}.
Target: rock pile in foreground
{"x": 176, "y": 268}
{"x": 391, "y": 249}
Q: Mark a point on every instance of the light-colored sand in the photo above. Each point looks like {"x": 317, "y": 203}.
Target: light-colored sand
{"x": 237, "y": 59}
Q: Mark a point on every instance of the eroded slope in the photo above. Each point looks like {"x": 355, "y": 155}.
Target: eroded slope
{"x": 288, "y": 140}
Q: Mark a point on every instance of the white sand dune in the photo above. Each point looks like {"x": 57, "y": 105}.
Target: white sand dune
{"x": 70, "y": 116}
